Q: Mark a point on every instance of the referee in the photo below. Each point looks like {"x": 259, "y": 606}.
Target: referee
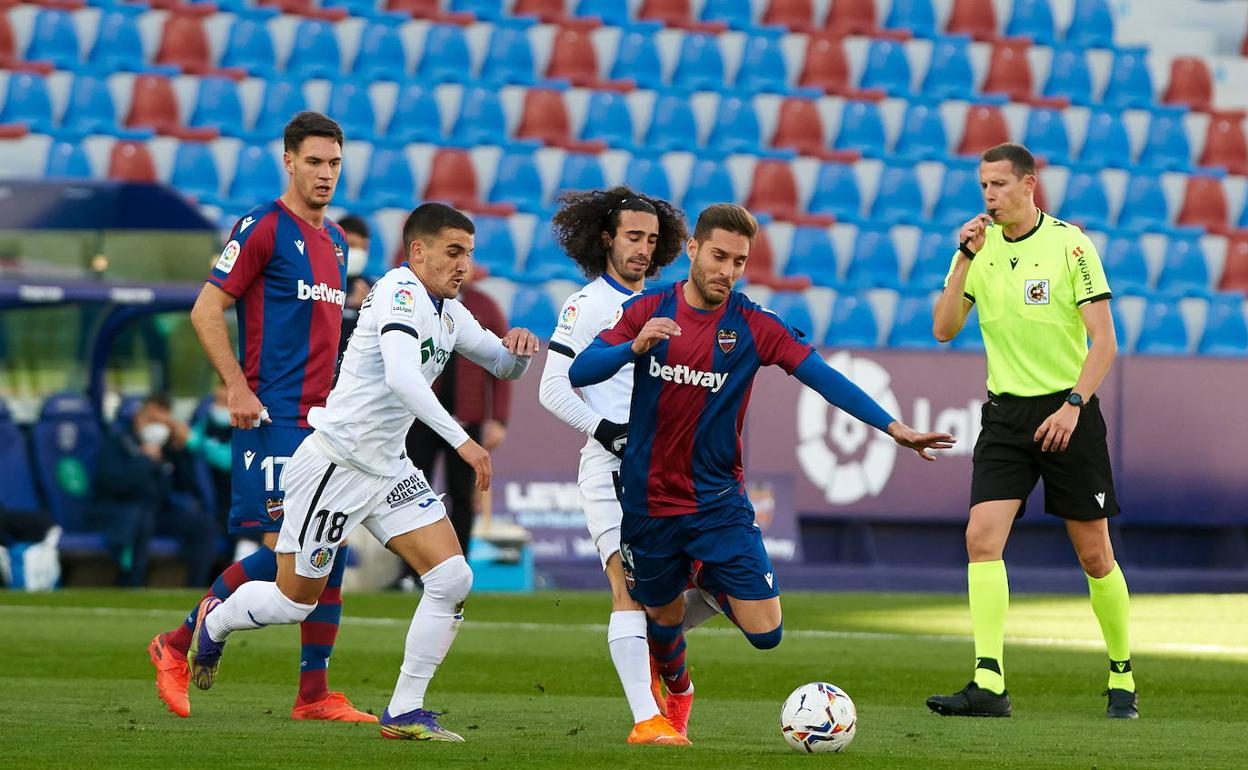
{"x": 1042, "y": 294}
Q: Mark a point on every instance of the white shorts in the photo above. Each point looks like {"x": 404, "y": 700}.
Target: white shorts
{"x": 603, "y": 514}
{"x": 326, "y": 501}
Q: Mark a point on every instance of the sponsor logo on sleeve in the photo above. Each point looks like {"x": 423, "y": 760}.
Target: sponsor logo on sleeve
{"x": 567, "y": 319}
{"x": 449, "y": 323}
{"x": 403, "y": 303}
{"x": 229, "y": 255}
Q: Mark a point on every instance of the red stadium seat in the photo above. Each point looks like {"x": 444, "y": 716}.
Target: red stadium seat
{"x": 799, "y": 127}
{"x": 761, "y": 267}
{"x": 1204, "y": 204}
{"x": 573, "y": 58}
{"x": 184, "y": 44}
{"x": 1009, "y": 71}
{"x": 1190, "y": 83}
{"x": 852, "y": 17}
{"x": 453, "y": 179}
{"x": 549, "y": 11}
{"x": 1235, "y": 275}
{"x": 429, "y": 9}
{"x": 827, "y": 66}
{"x": 774, "y": 190}
{"x": 985, "y": 127}
{"x": 545, "y": 119}
{"x": 130, "y": 162}
{"x": 9, "y": 58}
{"x": 977, "y": 18}
{"x": 154, "y": 105}
{"x": 797, "y": 15}
{"x": 1225, "y": 144}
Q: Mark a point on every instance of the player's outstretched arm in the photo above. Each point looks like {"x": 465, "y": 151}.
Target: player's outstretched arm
{"x": 507, "y": 358}
{"x": 601, "y": 360}
{"x": 558, "y": 397}
{"x": 208, "y": 319}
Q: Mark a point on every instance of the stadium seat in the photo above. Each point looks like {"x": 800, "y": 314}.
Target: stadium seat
{"x": 736, "y": 127}
{"x": 1162, "y": 332}
{"x": 608, "y": 120}
{"x": 912, "y": 323}
{"x": 489, "y": 10}
{"x": 388, "y": 182}
{"x": 452, "y": 179}
{"x": 1191, "y": 83}
{"x": 1130, "y": 83}
{"x": 792, "y": 308}
{"x": 612, "y": 12}
{"x": 1226, "y": 333}
{"x": 701, "y": 64}
{"x": 735, "y": 13}
{"x": 496, "y": 249}
{"x": 546, "y": 260}
{"x": 90, "y": 109}
{"x": 351, "y": 106}
{"x": 761, "y": 267}
{"x": 1124, "y": 263}
{"x": 887, "y": 68}
{"x": 977, "y": 18}
{"x": 862, "y": 129}
{"x": 218, "y": 105}
{"x": 762, "y": 64}
{"x": 1009, "y": 71}
{"x": 184, "y": 44}
{"x": 118, "y": 46}
{"x": 709, "y": 182}
{"x": 256, "y": 177}
{"x": 282, "y": 100}
{"x": 65, "y": 440}
{"x": 874, "y": 262}
{"x": 898, "y": 198}
{"x": 1225, "y": 143}
{"x": 154, "y": 104}
{"x": 1144, "y": 205}
{"x": 922, "y": 133}
{"x": 1204, "y": 204}
{"x": 249, "y": 46}
{"x": 914, "y": 16}
{"x": 852, "y": 17}
{"x": 129, "y": 161}
{"x": 670, "y": 13}
{"x": 799, "y": 127}
{"x": 54, "y": 38}
{"x": 647, "y": 176}
{"x": 532, "y": 308}
{"x": 852, "y": 324}
{"x": 545, "y": 119}
{"x": 774, "y": 190}
{"x": 445, "y": 56}
{"x": 195, "y": 172}
{"x": 1184, "y": 269}
{"x": 1033, "y": 19}
{"x": 27, "y": 101}
{"x": 380, "y": 55}
{"x": 1046, "y": 136}
{"x": 672, "y": 126}
{"x": 826, "y": 66}
{"x": 315, "y": 54}
{"x": 933, "y": 255}
{"x": 812, "y": 254}
{"x": 836, "y": 192}
{"x": 18, "y": 492}
{"x": 509, "y": 56}
{"x": 551, "y": 11}
{"x": 796, "y": 15}
{"x": 517, "y": 181}
{"x": 1166, "y": 147}
{"x": 581, "y": 171}
{"x": 416, "y": 117}
{"x": 1235, "y": 273}
{"x": 637, "y": 57}
{"x": 573, "y": 57}
{"x": 960, "y": 196}
{"x": 1085, "y": 202}
{"x": 67, "y": 159}
{"x": 1091, "y": 25}
{"x": 950, "y": 74}
{"x": 1105, "y": 142}
{"x": 481, "y": 119}
{"x": 985, "y": 127}
{"x": 1069, "y": 76}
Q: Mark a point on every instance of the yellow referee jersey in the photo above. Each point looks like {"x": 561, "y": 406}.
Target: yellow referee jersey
{"x": 1028, "y": 292}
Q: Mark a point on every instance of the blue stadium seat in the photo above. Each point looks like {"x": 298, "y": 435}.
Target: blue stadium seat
{"x": 533, "y": 309}
{"x": 495, "y": 248}
{"x": 960, "y": 196}
{"x": 483, "y": 9}
{"x": 1069, "y": 75}
{"x": 1046, "y": 136}
{"x": 1085, "y": 201}
{"x": 1144, "y": 205}
{"x": 581, "y": 171}
{"x": 1162, "y": 332}
{"x": 509, "y": 56}
{"x": 381, "y": 55}
{"x": 762, "y": 64}
{"x": 547, "y": 261}
{"x": 637, "y": 57}
{"x": 647, "y": 176}
{"x": 1106, "y": 142}
{"x": 481, "y": 119}
{"x": 118, "y": 46}
{"x": 256, "y": 177}
{"x": 862, "y": 129}
{"x": 931, "y": 260}
{"x": 734, "y": 13}
{"x": 853, "y": 323}
{"x": 874, "y": 264}
{"x": 90, "y": 109}
{"x": 350, "y": 105}
{"x": 1091, "y": 25}
{"x": 1225, "y": 331}
{"x": 701, "y": 64}
{"x": 518, "y": 182}
{"x": 612, "y": 12}
{"x": 887, "y": 68}
{"x": 55, "y": 39}
{"x": 1130, "y": 82}
{"x": 1184, "y": 270}
{"x": 609, "y": 120}
{"x": 736, "y": 127}
{"x": 912, "y": 323}
{"x": 388, "y": 182}
{"x": 218, "y": 105}
{"x": 836, "y": 192}
{"x": 315, "y": 54}
{"x": 917, "y": 16}
{"x": 195, "y": 172}
{"x": 811, "y": 254}
{"x": 17, "y": 486}
{"x": 922, "y": 133}
{"x": 1167, "y": 147}
{"x": 65, "y": 440}
{"x": 27, "y": 101}
{"x": 1125, "y": 264}
{"x": 971, "y": 337}
{"x": 672, "y": 126}
{"x": 67, "y": 159}
{"x": 282, "y": 100}
{"x": 792, "y": 308}
{"x": 950, "y": 74}
{"x": 354, "y": 7}
{"x": 709, "y": 182}
{"x": 249, "y": 46}
{"x": 445, "y": 56}
{"x": 898, "y": 198}
{"x": 1033, "y": 19}
{"x": 416, "y": 117}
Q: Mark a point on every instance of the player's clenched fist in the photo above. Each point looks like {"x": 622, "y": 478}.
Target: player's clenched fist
{"x": 655, "y": 331}
{"x": 520, "y": 342}
{"x": 476, "y": 456}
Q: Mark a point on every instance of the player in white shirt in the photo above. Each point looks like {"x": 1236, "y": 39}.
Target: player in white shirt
{"x": 353, "y": 470}
{"x": 618, "y": 238}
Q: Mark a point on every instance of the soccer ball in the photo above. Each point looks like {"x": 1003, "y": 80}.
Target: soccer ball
{"x": 818, "y": 717}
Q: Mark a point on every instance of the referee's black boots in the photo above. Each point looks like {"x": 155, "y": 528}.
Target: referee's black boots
{"x": 1123, "y": 704}
{"x": 971, "y": 701}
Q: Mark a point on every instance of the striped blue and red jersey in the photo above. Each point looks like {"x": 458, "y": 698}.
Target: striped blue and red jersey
{"x": 288, "y": 278}
{"x": 690, "y": 394}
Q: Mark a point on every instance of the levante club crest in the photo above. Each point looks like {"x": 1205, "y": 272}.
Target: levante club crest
{"x": 727, "y": 339}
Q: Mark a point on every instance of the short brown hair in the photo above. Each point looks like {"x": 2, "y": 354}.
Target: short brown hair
{"x": 306, "y": 124}
{"x": 1020, "y": 158}
{"x": 725, "y": 216}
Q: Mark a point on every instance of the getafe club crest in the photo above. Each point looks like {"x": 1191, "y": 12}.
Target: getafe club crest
{"x": 727, "y": 339}
{"x": 321, "y": 557}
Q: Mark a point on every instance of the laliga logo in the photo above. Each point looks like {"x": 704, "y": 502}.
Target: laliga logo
{"x": 822, "y": 445}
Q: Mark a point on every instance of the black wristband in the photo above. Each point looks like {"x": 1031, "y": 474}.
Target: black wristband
{"x": 969, "y": 254}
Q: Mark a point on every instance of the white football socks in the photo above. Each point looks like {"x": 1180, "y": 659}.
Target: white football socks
{"x": 433, "y": 629}
{"x": 626, "y": 638}
{"x": 254, "y": 605}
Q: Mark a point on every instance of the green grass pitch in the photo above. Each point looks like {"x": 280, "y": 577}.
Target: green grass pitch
{"x": 529, "y": 683}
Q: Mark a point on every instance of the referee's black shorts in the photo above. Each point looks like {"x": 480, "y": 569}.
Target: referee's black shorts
{"x": 1078, "y": 483}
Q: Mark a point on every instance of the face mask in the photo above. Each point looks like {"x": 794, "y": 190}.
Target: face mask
{"x": 219, "y": 415}
{"x": 154, "y": 433}
{"x": 356, "y": 260}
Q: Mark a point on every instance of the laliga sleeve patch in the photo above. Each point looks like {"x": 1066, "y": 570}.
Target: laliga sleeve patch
{"x": 229, "y": 255}
{"x": 403, "y": 303}
{"x": 567, "y": 319}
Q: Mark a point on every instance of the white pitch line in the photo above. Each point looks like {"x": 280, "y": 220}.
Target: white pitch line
{"x": 598, "y": 628}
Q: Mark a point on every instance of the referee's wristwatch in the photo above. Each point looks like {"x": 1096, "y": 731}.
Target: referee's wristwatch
{"x": 1075, "y": 400}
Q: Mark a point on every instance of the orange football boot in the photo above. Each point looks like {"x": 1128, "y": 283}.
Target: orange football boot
{"x": 678, "y": 708}
{"x": 333, "y": 708}
{"x": 173, "y": 678}
{"x": 658, "y": 730}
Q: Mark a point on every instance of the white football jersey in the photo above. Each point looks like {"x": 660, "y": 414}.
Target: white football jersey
{"x": 363, "y": 420}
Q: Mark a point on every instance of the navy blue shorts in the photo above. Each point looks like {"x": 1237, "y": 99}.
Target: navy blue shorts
{"x": 658, "y": 553}
{"x": 257, "y": 498}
